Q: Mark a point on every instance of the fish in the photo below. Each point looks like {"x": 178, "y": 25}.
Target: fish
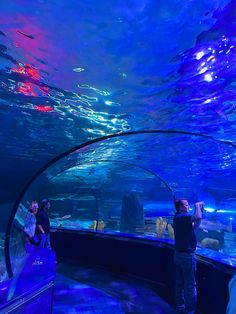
{"x": 215, "y": 226}
{"x": 210, "y": 243}
{"x": 75, "y": 197}
{"x": 24, "y": 34}
{"x": 64, "y": 217}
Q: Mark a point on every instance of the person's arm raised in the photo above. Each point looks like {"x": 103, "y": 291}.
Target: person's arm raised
{"x": 197, "y": 215}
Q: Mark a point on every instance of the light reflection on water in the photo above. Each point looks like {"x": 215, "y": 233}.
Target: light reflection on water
{"x": 110, "y": 69}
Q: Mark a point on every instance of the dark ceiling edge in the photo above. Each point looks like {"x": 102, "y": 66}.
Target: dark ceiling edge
{"x": 64, "y": 154}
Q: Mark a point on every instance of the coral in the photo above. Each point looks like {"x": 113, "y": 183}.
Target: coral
{"x": 160, "y": 226}
{"x": 171, "y": 231}
{"x": 210, "y": 243}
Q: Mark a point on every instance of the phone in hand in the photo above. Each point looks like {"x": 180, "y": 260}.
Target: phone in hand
{"x": 201, "y": 205}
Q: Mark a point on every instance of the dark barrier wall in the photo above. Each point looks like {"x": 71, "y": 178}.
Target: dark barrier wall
{"x": 31, "y": 288}
{"x": 40, "y": 302}
{"x": 150, "y": 260}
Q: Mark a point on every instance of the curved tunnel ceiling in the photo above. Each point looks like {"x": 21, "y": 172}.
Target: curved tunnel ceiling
{"x": 159, "y": 160}
{"x": 74, "y": 71}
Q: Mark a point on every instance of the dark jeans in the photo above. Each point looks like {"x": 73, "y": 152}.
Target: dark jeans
{"x": 44, "y": 240}
{"x": 186, "y": 293}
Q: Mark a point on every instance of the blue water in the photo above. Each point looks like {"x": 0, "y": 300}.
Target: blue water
{"x": 73, "y": 72}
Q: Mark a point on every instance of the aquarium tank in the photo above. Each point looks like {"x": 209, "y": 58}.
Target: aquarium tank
{"x": 112, "y": 110}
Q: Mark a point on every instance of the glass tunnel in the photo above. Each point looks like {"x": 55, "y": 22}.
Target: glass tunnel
{"x": 127, "y": 183}
{"x": 112, "y": 111}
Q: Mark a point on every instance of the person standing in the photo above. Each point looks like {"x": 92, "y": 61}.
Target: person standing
{"x": 43, "y": 224}
{"x": 185, "y": 260}
{"x": 231, "y": 308}
{"x": 30, "y": 223}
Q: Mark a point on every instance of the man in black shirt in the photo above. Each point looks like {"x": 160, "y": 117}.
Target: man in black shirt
{"x": 43, "y": 224}
{"x": 185, "y": 261}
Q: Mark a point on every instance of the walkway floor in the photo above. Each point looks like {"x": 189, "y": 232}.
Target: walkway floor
{"x": 93, "y": 290}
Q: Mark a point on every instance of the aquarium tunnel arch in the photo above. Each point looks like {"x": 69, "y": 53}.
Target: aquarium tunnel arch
{"x": 68, "y": 161}
{"x": 38, "y": 173}
{"x": 111, "y": 110}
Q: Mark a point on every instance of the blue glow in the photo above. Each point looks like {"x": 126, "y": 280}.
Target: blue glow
{"x": 75, "y": 71}
{"x": 209, "y": 209}
{"x": 208, "y": 77}
{"x": 199, "y": 55}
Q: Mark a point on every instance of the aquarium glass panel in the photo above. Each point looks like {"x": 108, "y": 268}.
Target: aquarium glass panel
{"x": 127, "y": 184}
{"x": 73, "y": 72}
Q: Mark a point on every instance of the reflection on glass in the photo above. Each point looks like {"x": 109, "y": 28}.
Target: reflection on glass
{"x": 17, "y": 240}
{"x": 103, "y": 174}
{"x": 3, "y": 273}
{"x": 126, "y": 185}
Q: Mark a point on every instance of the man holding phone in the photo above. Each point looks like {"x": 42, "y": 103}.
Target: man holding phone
{"x": 185, "y": 260}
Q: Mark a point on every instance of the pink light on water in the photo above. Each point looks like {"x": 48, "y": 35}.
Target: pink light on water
{"x": 44, "y": 108}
